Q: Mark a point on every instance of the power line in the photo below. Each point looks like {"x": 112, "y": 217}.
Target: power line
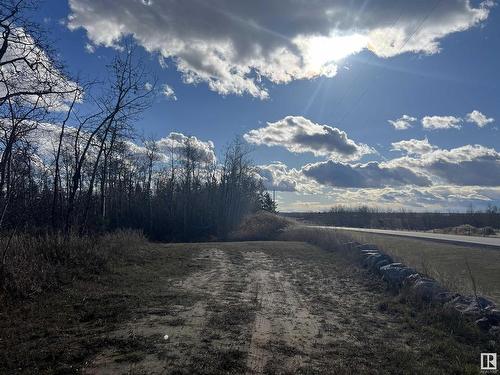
{"x": 417, "y": 29}
{"x": 357, "y": 77}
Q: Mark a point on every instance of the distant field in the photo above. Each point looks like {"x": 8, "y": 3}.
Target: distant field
{"x": 445, "y": 262}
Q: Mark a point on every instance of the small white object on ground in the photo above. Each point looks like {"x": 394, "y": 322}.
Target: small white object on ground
{"x": 165, "y": 337}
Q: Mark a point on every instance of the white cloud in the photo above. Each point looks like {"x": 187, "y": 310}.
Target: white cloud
{"x": 428, "y": 178}
{"x": 89, "y": 48}
{"x": 402, "y": 123}
{"x": 277, "y": 176}
{"x": 231, "y": 45}
{"x": 44, "y": 138}
{"x": 168, "y": 92}
{"x": 298, "y": 134}
{"x": 148, "y": 86}
{"x": 469, "y": 165}
{"x": 413, "y": 146}
{"x": 478, "y": 118}
{"x": 441, "y": 122}
{"x": 178, "y": 143}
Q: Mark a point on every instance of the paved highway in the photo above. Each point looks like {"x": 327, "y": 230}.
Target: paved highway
{"x": 454, "y": 238}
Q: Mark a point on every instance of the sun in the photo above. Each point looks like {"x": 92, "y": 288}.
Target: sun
{"x": 322, "y": 53}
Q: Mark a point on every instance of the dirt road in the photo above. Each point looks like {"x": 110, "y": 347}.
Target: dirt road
{"x": 255, "y": 307}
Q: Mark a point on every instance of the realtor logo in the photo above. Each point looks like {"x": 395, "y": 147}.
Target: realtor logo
{"x": 488, "y": 361}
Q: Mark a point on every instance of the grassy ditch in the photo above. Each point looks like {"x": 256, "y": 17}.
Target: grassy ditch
{"x": 447, "y": 263}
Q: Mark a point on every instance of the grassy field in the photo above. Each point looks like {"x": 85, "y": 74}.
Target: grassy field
{"x": 230, "y": 308}
{"x": 445, "y": 262}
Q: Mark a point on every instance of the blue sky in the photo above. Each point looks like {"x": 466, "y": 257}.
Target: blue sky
{"x": 445, "y": 72}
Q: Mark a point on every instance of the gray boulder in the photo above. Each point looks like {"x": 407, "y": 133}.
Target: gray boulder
{"x": 490, "y": 319}
{"x": 395, "y": 273}
{"x": 469, "y": 305}
{"x": 367, "y": 246}
{"x": 484, "y": 303}
{"x": 460, "y": 303}
{"x": 412, "y": 280}
{"x": 369, "y": 259}
{"x": 494, "y": 317}
{"x": 483, "y": 323}
{"x": 429, "y": 290}
{"x": 381, "y": 263}
{"x": 373, "y": 260}
{"x": 394, "y": 264}
{"x": 367, "y": 254}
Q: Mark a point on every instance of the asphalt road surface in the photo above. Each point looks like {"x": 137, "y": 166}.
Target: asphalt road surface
{"x": 453, "y": 238}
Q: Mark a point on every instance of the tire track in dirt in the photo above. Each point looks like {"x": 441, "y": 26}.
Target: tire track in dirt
{"x": 266, "y": 308}
{"x": 183, "y": 324}
{"x": 282, "y": 318}
{"x": 254, "y": 308}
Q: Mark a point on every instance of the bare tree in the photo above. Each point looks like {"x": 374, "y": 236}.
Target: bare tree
{"x": 123, "y": 99}
{"x": 32, "y": 84}
{"x": 93, "y": 177}
{"x": 29, "y": 69}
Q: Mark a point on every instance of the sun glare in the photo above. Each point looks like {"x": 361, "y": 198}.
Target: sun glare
{"x": 323, "y": 52}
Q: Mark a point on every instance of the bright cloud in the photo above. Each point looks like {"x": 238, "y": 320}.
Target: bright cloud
{"x": 478, "y": 118}
{"x": 431, "y": 179}
{"x": 89, "y": 48}
{"x": 441, "y": 122}
{"x": 277, "y": 176}
{"x": 231, "y": 45}
{"x": 470, "y": 165}
{"x": 168, "y": 92}
{"x": 298, "y": 134}
{"x": 179, "y": 143}
{"x": 413, "y": 146}
{"x": 402, "y": 123}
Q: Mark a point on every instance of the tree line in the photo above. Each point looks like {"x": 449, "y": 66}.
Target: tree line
{"x": 86, "y": 174}
{"x": 365, "y": 217}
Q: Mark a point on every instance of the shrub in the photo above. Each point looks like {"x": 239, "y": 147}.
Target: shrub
{"x": 487, "y": 231}
{"x": 261, "y": 226}
{"x": 31, "y": 263}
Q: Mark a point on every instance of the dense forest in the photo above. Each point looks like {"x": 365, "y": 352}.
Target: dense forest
{"x": 71, "y": 160}
{"x": 365, "y": 217}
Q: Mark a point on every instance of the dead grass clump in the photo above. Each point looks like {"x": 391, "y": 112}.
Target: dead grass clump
{"x": 261, "y": 226}
{"x": 31, "y": 263}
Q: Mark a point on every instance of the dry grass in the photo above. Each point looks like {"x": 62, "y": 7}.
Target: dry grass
{"x": 324, "y": 238}
{"x": 446, "y": 263}
{"x": 36, "y": 263}
{"x": 261, "y": 226}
